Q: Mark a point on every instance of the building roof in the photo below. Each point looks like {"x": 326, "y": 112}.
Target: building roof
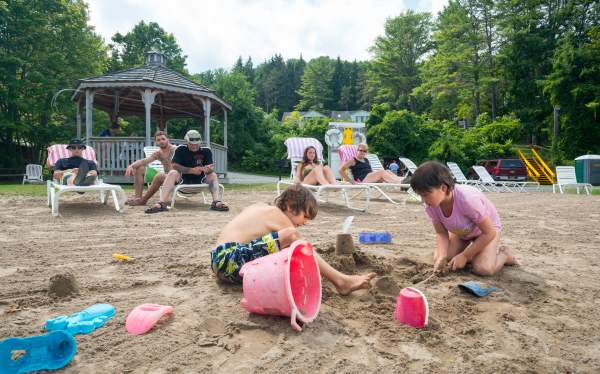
{"x": 179, "y": 96}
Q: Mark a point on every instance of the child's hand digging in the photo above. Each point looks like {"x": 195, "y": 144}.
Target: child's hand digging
{"x": 440, "y": 265}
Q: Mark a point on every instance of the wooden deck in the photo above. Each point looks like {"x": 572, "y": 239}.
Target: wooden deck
{"x": 114, "y": 154}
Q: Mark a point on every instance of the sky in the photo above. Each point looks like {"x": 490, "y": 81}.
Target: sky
{"x": 213, "y": 34}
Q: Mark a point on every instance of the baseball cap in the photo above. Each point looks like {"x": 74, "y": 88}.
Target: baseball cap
{"x": 76, "y": 143}
{"x": 193, "y": 137}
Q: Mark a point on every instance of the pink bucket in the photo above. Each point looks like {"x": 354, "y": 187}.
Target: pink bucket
{"x": 412, "y": 308}
{"x": 286, "y": 283}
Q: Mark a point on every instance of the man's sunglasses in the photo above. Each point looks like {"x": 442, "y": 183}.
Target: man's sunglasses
{"x": 362, "y": 150}
{"x": 76, "y": 147}
{"x": 194, "y": 139}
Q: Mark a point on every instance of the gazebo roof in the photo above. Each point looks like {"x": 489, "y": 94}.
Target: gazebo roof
{"x": 179, "y": 94}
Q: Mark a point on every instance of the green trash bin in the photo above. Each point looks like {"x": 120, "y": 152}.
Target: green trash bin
{"x": 587, "y": 169}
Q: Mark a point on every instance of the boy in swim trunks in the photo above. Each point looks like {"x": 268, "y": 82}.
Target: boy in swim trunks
{"x": 261, "y": 229}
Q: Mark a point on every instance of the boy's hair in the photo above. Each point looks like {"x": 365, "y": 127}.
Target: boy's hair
{"x": 298, "y": 199}
{"x": 160, "y": 133}
{"x": 431, "y": 174}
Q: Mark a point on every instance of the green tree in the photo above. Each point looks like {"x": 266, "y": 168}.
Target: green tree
{"x": 397, "y": 55}
{"x": 574, "y": 85}
{"x": 315, "y": 91}
{"x": 45, "y": 46}
{"x": 130, "y": 50}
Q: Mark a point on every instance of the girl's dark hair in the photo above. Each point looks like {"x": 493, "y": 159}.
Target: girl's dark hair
{"x": 431, "y": 174}
{"x": 305, "y": 155}
{"x": 298, "y": 199}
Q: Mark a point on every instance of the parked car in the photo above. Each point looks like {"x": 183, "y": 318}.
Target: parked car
{"x": 510, "y": 169}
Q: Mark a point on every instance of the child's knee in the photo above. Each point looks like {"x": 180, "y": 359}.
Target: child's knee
{"x": 484, "y": 269}
{"x": 289, "y": 234}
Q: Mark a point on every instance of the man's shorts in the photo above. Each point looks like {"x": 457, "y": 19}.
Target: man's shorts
{"x": 228, "y": 258}
{"x": 192, "y": 179}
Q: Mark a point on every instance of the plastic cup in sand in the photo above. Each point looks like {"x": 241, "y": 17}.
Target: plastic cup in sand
{"x": 412, "y": 308}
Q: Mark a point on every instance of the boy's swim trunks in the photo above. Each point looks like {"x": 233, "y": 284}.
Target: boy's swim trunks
{"x": 228, "y": 258}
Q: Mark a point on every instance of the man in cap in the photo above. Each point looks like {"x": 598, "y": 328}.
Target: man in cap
{"x": 164, "y": 154}
{"x": 75, "y": 170}
{"x": 191, "y": 165}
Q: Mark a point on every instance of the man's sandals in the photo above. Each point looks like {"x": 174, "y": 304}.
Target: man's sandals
{"x": 219, "y": 206}
{"x": 159, "y": 207}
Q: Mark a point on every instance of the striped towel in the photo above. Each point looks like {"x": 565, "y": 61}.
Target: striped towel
{"x": 347, "y": 152}
{"x": 296, "y": 147}
{"x": 58, "y": 151}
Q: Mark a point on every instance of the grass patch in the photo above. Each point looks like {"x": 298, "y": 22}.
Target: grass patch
{"x": 37, "y": 190}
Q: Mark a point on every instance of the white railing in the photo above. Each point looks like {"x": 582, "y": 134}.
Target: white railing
{"x": 114, "y": 154}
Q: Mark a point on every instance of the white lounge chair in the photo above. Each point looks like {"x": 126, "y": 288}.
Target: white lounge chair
{"x": 186, "y": 190}
{"x": 566, "y": 177}
{"x": 347, "y": 152}
{"x": 55, "y": 190}
{"x": 410, "y": 166}
{"x": 295, "y": 147}
{"x": 459, "y": 177}
{"x": 33, "y": 174}
{"x": 488, "y": 183}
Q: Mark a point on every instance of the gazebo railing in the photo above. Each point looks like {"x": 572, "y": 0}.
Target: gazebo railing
{"x": 114, "y": 154}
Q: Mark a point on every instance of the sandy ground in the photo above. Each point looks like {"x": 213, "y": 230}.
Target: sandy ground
{"x": 545, "y": 319}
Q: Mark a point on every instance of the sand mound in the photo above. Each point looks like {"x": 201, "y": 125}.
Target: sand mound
{"x": 62, "y": 285}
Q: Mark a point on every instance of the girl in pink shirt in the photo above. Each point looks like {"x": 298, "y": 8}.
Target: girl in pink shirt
{"x": 466, "y": 223}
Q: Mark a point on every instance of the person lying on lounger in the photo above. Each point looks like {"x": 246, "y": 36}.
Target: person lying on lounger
{"x": 466, "y": 222}
{"x": 191, "y": 165}
{"x": 362, "y": 171}
{"x": 137, "y": 169}
{"x": 311, "y": 171}
{"x": 262, "y": 229}
{"x": 75, "y": 170}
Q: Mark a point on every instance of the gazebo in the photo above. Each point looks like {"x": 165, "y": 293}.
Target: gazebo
{"x": 151, "y": 91}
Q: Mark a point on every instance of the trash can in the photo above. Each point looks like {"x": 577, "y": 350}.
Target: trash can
{"x": 587, "y": 169}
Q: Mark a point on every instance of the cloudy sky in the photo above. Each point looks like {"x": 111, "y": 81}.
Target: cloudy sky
{"x": 214, "y": 33}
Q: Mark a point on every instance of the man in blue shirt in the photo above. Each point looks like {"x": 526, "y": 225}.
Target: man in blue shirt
{"x": 113, "y": 130}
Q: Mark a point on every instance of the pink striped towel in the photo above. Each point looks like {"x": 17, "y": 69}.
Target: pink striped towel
{"x": 58, "y": 151}
{"x": 347, "y": 152}
{"x": 296, "y": 147}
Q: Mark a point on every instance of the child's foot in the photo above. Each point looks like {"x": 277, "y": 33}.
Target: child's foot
{"x": 510, "y": 259}
{"x": 354, "y": 282}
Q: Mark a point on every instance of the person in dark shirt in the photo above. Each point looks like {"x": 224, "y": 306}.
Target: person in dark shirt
{"x": 113, "y": 130}
{"x": 362, "y": 171}
{"x": 191, "y": 165}
{"x": 75, "y": 170}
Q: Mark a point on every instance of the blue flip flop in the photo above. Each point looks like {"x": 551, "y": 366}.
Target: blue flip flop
{"x": 82, "y": 322}
{"x": 475, "y": 289}
{"x": 42, "y": 352}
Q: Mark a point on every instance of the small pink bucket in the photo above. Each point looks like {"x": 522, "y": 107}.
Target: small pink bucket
{"x": 286, "y": 283}
{"x": 412, "y": 308}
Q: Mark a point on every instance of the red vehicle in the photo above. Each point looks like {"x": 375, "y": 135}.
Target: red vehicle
{"x": 511, "y": 169}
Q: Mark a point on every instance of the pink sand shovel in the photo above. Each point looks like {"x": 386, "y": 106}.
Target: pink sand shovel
{"x": 144, "y": 317}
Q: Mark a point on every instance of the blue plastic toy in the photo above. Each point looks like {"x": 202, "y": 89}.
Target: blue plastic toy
{"x": 42, "y": 352}
{"x": 475, "y": 289}
{"x": 82, "y": 322}
{"x": 374, "y": 237}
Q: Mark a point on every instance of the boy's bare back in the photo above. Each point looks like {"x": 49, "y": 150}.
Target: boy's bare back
{"x": 253, "y": 222}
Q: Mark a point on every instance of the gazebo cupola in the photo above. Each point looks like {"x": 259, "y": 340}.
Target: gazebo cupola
{"x": 154, "y": 57}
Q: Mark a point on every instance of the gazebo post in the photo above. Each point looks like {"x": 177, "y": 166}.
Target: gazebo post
{"x": 225, "y": 128}
{"x": 78, "y": 118}
{"x": 206, "y": 105}
{"x": 148, "y": 99}
{"x": 89, "y": 102}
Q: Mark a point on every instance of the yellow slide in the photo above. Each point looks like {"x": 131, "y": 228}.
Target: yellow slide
{"x": 537, "y": 168}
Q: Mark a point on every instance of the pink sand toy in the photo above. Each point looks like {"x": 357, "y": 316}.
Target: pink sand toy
{"x": 412, "y": 308}
{"x": 286, "y": 283}
{"x": 143, "y": 317}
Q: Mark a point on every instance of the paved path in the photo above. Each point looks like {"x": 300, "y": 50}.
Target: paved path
{"x": 244, "y": 178}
